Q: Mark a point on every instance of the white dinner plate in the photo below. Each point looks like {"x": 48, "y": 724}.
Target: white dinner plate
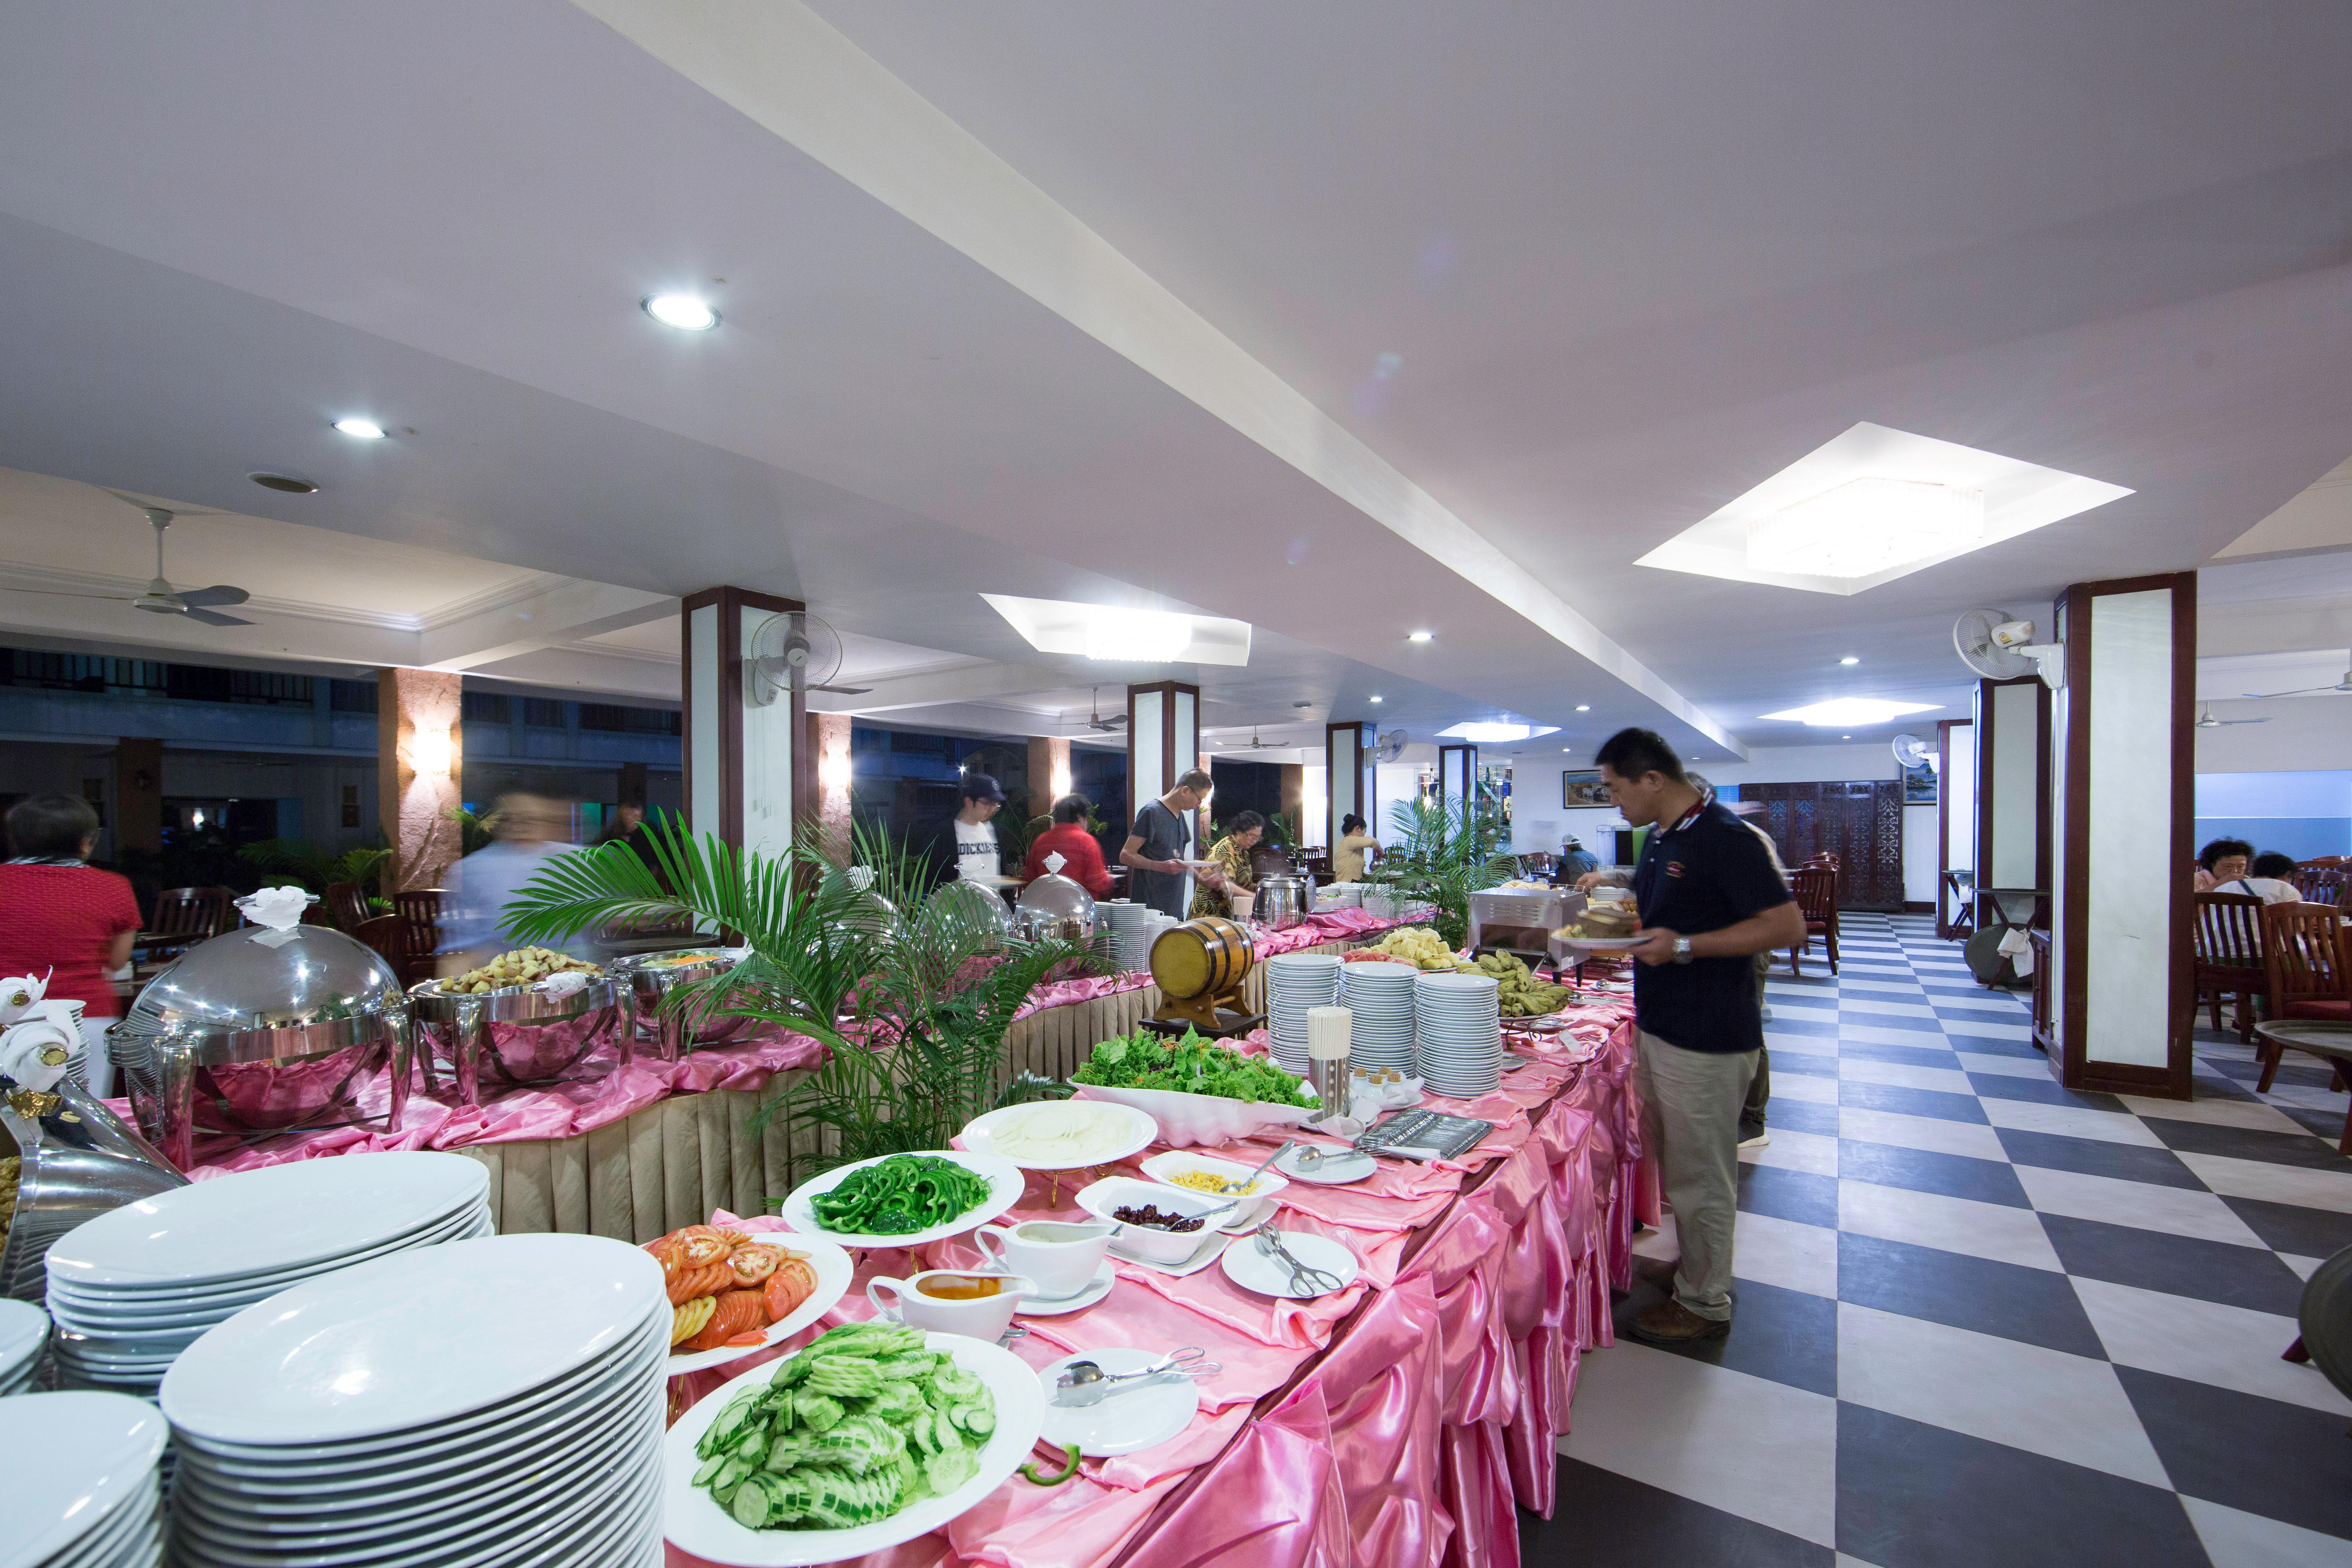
{"x": 430, "y": 1334}
{"x": 23, "y": 1327}
{"x": 980, "y": 1134}
{"x": 80, "y": 1457}
{"x": 1266, "y": 1274}
{"x": 694, "y": 1523}
{"x": 833, "y": 1269}
{"x": 1598, "y": 944}
{"x": 1140, "y": 1416}
{"x": 1334, "y": 1170}
{"x": 1005, "y": 1184}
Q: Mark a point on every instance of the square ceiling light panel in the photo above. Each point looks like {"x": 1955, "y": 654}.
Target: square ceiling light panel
{"x": 1123, "y": 633}
{"x": 1875, "y": 505}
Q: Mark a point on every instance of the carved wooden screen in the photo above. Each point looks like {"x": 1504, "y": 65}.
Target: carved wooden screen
{"x": 1861, "y": 823}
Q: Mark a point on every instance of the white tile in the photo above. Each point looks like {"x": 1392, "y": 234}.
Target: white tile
{"x": 1915, "y": 1039}
{"x": 1977, "y": 1002}
{"x": 1932, "y": 1134}
{"x": 1802, "y": 1045}
{"x": 1819, "y": 1087}
{"x": 1902, "y": 1075}
{"x": 1660, "y": 1243}
{"x": 1784, "y": 1252}
{"x": 2043, "y": 1401}
{"x": 1793, "y": 1151}
{"x": 1795, "y": 1014}
{"x": 2070, "y": 1121}
{"x": 1746, "y": 1444}
{"x": 1894, "y": 1009}
{"x": 2217, "y": 1111}
{"x": 2302, "y": 1267}
{"x": 2308, "y": 1096}
{"x": 2273, "y": 1184}
{"x": 1996, "y": 1231}
{"x": 2234, "y": 1539}
{"x": 1985, "y": 1029}
{"x": 2143, "y": 1205}
{"x": 2006, "y": 1066}
{"x": 1845, "y": 1561}
{"x": 2229, "y": 1347}
{"x": 1883, "y": 990}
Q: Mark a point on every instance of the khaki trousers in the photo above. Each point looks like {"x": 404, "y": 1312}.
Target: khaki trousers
{"x": 1690, "y": 1113}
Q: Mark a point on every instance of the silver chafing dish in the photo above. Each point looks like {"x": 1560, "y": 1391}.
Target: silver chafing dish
{"x": 1283, "y": 901}
{"x": 259, "y": 1032}
{"x": 76, "y": 1161}
{"x": 520, "y": 1036}
{"x": 674, "y": 1029}
{"x": 1056, "y": 909}
{"x": 977, "y": 902}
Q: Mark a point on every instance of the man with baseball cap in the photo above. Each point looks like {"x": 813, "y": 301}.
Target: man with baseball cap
{"x": 963, "y": 845}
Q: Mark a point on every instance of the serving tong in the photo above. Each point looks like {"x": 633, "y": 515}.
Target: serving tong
{"x": 1305, "y": 1278}
{"x": 1085, "y": 1383}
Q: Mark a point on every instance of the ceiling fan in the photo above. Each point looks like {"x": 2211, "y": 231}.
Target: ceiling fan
{"x": 1097, "y": 721}
{"x": 2344, "y": 685}
{"x": 161, "y": 598}
{"x": 2205, "y": 721}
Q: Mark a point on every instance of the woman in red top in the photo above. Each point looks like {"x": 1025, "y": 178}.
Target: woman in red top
{"x": 1068, "y": 838}
{"x": 59, "y": 915}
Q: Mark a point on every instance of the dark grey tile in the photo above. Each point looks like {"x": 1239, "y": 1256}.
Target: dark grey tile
{"x": 1931, "y": 1027}
{"x": 2032, "y": 1305}
{"x": 1802, "y": 1115}
{"x": 2291, "y": 1228}
{"x": 1602, "y": 1517}
{"x": 2245, "y": 1277}
{"x": 1952, "y": 1175}
{"x": 1933, "y": 1102}
{"x": 1811, "y": 1028}
{"x": 2328, "y": 1124}
{"x": 1786, "y": 1335}
{"x": 1984, "y": 1044}
{"x": 2096, "y": 1157}
{"x": 1804, "y": 1062}
{"x": 2041, "y": 1090}
{"x": 1915, "y": 1496}
{"x": 1799, "y": 1196}
{"x": 2282, "y": 1461}
{"x": 2245, "y": 1143}
{"x": 1908, "y": 1056}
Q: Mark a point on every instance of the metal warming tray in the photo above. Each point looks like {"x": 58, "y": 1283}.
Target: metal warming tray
{"x": 1054, "y": 908}
{"x": 259, "y": 1032}
{"x": 520, "y": 1036}
{"x": 674, "y": 1030}
{"x": 76, "y": 1161}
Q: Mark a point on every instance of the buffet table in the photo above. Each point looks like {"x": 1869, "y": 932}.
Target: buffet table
{"x": 1399, "y": 1422}
{"x": 637, "y": 1150}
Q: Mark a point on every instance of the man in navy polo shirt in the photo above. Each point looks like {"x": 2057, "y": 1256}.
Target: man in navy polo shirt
{"x": 1710, "y": 900}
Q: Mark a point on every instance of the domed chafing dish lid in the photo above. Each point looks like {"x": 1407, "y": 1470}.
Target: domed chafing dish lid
{"x": 1058, "y": 898}
{"x": 254, "y": 979}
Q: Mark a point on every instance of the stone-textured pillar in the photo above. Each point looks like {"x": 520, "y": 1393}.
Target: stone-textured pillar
{"x": 419, "y": 759}
{"x": 1049, "y": 772}
{"x": 749, "y": 774}
{"x": 828, "y": 743}
{"x": 138, "y": 795}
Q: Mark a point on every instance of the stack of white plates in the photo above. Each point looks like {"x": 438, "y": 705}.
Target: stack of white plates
{"x": 1458, "y": 1029}
{"x": 23, "y": 1329}
{"x": 1381, "y": 995}
{"x": 492, "y": 1402}
{"x": 1131, "y": 927}
{"x": 1294, "y": 983}
{"x": 80, "y": 1487}
{"x": 134, "y": 1288}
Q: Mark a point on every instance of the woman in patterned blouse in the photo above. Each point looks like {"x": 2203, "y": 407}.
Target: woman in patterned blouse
{"x": 1232, "y": 855}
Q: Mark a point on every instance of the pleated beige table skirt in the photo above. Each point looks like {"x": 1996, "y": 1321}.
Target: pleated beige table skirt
{"x": 671, "y": 1164}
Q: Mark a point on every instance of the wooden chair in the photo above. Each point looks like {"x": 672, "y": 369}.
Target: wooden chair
{"x": 419, "y": 910}
{"x": 2230, "y": 957}
{"x": 348, "y": 905}
{"x": 2320, "y": 885}
{"x": 388, "y": 935}
{"x": 185, "y": 917}
{"x": 2303, "y": 949}
{"x": 1815, "y": 885}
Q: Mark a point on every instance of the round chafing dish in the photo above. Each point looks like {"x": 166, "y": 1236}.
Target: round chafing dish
{"x": 976, "y": 902}
{"x": 519, "y": 1037}
{"x": 1282, "y": 901}
{"x": 675, "y": 1028}
{"x": 259, "y": 1032}
{"x": 1054, "y": 908}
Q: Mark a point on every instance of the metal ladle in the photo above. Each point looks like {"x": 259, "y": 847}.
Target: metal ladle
{"x": 1084, "y": 1383}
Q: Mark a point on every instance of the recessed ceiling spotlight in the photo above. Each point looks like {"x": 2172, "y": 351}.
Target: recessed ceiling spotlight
{"x": 1375, "y": 699}
{"x": 1418, "y": 636}
{"x": 684, "y": 312}
{"x": 286, "y": 482}
{"x": 360, "y": 429}
{"x": 1584, "y": 708}
{"x": 1567, "y": 747}
{"x": 1848, "y": 659}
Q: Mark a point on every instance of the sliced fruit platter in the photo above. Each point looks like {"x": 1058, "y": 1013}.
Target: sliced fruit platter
{"x": 732, "y": 1292}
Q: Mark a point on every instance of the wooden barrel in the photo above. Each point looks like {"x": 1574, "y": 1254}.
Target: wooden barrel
{"x": 1206, "y": 957}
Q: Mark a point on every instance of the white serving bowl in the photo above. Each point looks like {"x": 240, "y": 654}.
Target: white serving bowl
{"x": 1143, "y": 1241}
{"x": 1169, "y": 1164}
{"x": 1187, "y": 1119}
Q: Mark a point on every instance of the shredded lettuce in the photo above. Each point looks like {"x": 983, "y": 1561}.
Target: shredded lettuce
{"x": 1189, "y": 1066}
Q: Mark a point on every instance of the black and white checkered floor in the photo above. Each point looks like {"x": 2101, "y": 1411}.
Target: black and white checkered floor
{"x": 1980, "y": 1319}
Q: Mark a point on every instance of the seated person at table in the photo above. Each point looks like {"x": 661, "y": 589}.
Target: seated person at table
{"x": 1233, "y": 858}
{"x": 1082, "y": 856}
{"x": 2223, "y": 861}
{"x": 1575, "y": 860}
{"x": 61, "y": 917}
{"x": 2267, "y": 880}
{"x": 1348, "y": 853}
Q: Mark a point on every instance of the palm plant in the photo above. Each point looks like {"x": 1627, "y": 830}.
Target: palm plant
{"x": 316, "y": 869}
{"x": 1444, "y": 851}
{"x": 911, "y": 995}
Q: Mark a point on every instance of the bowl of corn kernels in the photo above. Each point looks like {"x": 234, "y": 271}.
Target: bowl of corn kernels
{"x": 1200, "y": 1173}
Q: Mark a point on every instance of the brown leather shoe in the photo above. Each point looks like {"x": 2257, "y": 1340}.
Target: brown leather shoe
{"x": 1658, "y": 1272}
{"x": 1671, "y": 1323}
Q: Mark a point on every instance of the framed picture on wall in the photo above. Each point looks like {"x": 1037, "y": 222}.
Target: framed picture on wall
{"x": 1579, "y": 788}
{"x": 1919, "y": 785}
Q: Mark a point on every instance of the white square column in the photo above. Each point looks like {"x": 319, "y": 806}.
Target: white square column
{"x": 749, "y": 777}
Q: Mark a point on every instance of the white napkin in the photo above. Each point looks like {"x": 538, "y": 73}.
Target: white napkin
{"x": 21, "y": 994}
{"x": 2018, "y": 949}
{"x": 36, "y": 1052}
{"x": 564, "y": 985}
{"x": 280, "y": 909}
{"x": 1054, "y": 862}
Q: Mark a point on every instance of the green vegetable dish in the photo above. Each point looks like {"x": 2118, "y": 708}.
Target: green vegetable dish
{"x": 860, "y": 1425}
{"x": 900, "y": 1196}
{"x": 1189, "y": 1066}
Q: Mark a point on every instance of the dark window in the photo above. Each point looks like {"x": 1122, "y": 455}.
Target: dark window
{"x": 906, "y": 742}
{"x": 489, "y": 708}
{"x": 352, "y": 695}
{"x": 203, "y": 683}
{"x": 545, "y": 712}
{"x": 612, "y": 716}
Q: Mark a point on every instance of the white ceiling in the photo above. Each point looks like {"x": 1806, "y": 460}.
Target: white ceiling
{"x": 1628, "y": 262}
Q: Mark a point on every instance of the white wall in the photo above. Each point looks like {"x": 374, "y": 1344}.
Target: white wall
{"x": 2299, "y": 734}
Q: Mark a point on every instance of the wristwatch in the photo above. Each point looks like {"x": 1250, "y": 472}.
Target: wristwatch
{"x": 1683, "y": 953}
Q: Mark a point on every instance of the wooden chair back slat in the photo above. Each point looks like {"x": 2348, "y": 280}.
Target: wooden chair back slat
{"x": 1816, "y": 889}
{"x": 2303, "y": 948}
{"x": 2230, "y": 930}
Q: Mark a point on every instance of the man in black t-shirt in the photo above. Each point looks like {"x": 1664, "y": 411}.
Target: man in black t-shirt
{"x": 1710, "y": 900}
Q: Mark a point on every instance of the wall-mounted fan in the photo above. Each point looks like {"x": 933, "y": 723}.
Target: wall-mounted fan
{"x": 1912, "y": 751}
{"x": 2344, "y": 686}
{"x": 1391, "y": 747}
{"x": 784, "y": 657}
{"x": 1094, "y": 720}
{"x": 2205, "y": 720}
{"x": 1999, "y": 647}
{"x": 161, "y": 598}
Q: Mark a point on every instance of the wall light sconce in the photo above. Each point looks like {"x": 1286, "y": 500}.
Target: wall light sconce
{"x": 833, "y": 771}
{"x": 431, "y": 754}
